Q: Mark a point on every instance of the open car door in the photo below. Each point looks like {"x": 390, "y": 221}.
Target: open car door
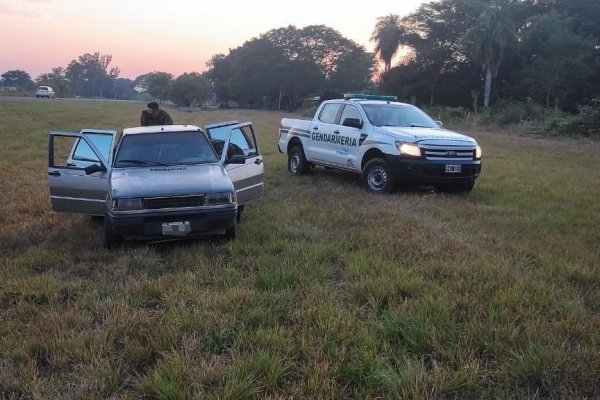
{"x": 238, "y": 139}
{"x": 78, "y": 170}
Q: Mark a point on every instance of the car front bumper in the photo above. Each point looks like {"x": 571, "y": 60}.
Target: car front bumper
{"x": 432, "y": 172}
{"x": 148, "y": 226}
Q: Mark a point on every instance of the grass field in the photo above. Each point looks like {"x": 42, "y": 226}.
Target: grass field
{"x": 328, "y": 292}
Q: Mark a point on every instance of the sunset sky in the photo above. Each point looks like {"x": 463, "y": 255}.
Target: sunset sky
{"x": 175, "y": 36}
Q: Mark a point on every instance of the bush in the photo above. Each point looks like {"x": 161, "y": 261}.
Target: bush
{"x": 586, "y": 123}
{"x": 449, "y": 115}
{"x": 513, "y": 112}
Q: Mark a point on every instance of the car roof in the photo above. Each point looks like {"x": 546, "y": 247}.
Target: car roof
{"x": 160, "y": 128}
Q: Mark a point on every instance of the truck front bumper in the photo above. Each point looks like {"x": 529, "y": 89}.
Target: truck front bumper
{"x": 432, "y": 172}
{"x": 148, "y": 226}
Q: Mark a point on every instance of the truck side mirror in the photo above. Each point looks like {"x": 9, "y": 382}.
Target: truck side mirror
{"x": 353, "y": 123}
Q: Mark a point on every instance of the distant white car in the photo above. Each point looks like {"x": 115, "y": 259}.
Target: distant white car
{"x": 44, "y": 92}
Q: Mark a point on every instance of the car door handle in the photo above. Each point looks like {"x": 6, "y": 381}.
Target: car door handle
{"x": 54, "y": 173}
{"x": 336, "y": 131}
{"x": 258, "y": 161}
{"x": 315, "y": 128}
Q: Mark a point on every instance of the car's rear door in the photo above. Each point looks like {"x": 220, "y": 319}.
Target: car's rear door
{"x": 69, "y": 154}
{"x": 247, "y": 178}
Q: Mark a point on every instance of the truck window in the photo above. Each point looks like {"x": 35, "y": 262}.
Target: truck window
{"x": 83, "y": 152}
{"x": 329, "y": 112}
{"x": 350, "y": 112}
{"x": 239, "y": 139}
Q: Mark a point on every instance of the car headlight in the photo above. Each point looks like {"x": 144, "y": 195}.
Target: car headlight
{"x": 478, "y": 153}
{"x": 216, "y": 199}
{"x": 127, "y": 204}
{"x": 408, "y": 149}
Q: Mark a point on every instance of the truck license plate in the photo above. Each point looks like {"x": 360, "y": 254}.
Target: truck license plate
{"x": 176, "y": 228}
{"x": 453, "y": 169}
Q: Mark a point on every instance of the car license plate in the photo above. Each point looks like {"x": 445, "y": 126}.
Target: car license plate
{"x": 453, "y": 169}
{"x": 182, "y": 228}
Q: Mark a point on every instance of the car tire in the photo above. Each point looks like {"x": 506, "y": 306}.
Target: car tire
{"x": 231, "y": 232}
{"x": 111, "y": 239}
{"x": 377, "y": 176}
{"x": 297, "y": 163}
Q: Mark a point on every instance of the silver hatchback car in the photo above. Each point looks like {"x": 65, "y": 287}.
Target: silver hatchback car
{"x": 157, "y": 183}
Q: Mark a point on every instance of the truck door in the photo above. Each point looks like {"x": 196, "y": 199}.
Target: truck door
{"x": 347, "y": 151}
{"x": 247, "y": 178}
{"x": 321, "y": 146}
{"x": 78, "y": 170}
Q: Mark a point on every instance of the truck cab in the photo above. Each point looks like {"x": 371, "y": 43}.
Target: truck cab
{"x": 385, "y": 141}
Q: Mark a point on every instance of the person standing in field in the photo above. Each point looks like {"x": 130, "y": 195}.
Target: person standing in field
{"x": 155, "y": 116}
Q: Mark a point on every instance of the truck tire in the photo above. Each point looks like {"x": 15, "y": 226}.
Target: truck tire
{"x": 111, "y": 239}
{"x": 377, "y": 176}
{"x": 297, "y": 163}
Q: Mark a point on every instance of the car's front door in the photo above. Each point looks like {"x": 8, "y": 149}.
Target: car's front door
{"x": 247, "y": 178}
{"x": 72, "y": 188}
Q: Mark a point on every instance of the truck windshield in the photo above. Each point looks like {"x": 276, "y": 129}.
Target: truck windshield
{"x": 164, "y": 148}
{"x": 398, "y": 115}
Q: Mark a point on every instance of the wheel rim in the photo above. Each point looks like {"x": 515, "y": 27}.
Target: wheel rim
{"x": 377, "y": 178}
{"x": 294, "y": 162}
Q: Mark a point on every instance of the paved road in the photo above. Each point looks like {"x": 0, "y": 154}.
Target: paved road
{"x": 24, "y": 98}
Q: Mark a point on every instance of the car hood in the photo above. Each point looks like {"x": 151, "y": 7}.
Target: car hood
{"x": 179, "y": 180}
{"x": 424, "y": 134}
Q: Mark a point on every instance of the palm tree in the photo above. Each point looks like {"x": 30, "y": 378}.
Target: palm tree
{"x": 387, "y": 36}
{"x": 490, "y": 37}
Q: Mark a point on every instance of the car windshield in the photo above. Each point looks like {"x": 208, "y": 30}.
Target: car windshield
{"x": 398, "y": 115}
{"x": 165, "y": 149}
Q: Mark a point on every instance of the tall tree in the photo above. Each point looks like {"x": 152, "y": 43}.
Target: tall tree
{"x": 158, "y": 84}
{"x": 388, "y": 36}
{"x": 57, "y": 79}
{"x": 89, "y": 74}
{"x": 17, "y": 78}
{"x": 557, "y": 58}
{"x": 189, "y": 89}
{"x": 489, "y": 38}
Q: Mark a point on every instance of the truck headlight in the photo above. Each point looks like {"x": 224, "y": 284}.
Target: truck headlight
{"x": 217, "y": 199}
{"x": 127, "y": 204}
{"x": 408, "y": 149}
{"x": 477, "y": 152}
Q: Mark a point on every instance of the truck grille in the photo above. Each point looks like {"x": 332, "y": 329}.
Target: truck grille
{"x": 456, "y": 153}
{"x": 173, "y": 202}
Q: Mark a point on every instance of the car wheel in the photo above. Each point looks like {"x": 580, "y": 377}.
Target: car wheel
{"x": 231, "y": 232}
{"x": 297, "y": 163}
{"x": 377, "y": 176}
{"x": 111, "y": 239}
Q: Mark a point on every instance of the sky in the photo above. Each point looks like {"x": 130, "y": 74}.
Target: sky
{"x": 175, "y": 36}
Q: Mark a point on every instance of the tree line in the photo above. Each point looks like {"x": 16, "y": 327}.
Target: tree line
{"x": 471, "y": 52}
{"x": 467, "y": 53}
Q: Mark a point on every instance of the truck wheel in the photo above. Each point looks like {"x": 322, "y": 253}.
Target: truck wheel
{"x": 297, "y": 163}
{"x": 377, "y": 176}
{"x": 231, "y": 232}
{"x": 111, "y": 239}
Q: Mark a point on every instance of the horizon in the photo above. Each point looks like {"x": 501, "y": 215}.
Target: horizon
{"x": 50, "y": 31}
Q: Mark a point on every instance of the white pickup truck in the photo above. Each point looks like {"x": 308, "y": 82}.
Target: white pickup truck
{"x": 387, "y": 142}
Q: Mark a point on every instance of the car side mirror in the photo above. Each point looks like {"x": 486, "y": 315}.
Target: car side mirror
{"x": 90, "y": 169}
{"x": 236, "y": 159}
{"x": 353, "y": 123}
{"x": 440, "y": 123}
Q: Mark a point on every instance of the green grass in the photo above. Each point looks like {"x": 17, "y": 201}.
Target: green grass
{"x": 328, "y": 292}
